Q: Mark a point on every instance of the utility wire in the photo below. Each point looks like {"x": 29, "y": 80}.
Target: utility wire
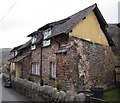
{"x": 8, "y": 11}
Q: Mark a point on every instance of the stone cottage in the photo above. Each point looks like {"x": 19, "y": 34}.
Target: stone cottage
{"x": 75, "y": 51}
{"x": 20, "y": 61}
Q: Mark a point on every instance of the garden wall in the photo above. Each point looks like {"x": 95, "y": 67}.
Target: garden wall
{"x": 36, "y": 92}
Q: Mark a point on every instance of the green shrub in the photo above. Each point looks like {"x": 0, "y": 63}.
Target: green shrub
{"x": 3, "y": 70}
{"x": 58, "y": 85}
{"x": 4, "y": 78}
{"x": 30, "y": 78}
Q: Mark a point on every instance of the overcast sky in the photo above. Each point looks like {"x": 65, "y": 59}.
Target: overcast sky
{"x": 19, "y": 18}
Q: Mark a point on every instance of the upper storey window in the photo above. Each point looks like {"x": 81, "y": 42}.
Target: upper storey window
{"x": 46, "y": 34}
{"x": 14, "y": 53}
{"x": 33, "y": 47}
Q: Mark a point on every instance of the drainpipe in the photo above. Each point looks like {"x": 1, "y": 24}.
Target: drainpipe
{"x": 41, "y": 80}
{"x": 41, "y": 77}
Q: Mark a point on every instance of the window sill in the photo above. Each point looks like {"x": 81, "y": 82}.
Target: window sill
{"x": 52, "y": 78}
{"x": 33, "y": 49}
{"x": 46, "y": 46}
{"x": 35, "y": 75}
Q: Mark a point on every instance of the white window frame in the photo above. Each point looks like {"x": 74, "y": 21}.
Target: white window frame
{"x": 16, "y": 52}
{"x": 36, "y": 68}
{"x": 53, "y": 70}
{"x": 33, "y": 47}
{"x": 46, "y": 34}
{"x": 13, "y": 54}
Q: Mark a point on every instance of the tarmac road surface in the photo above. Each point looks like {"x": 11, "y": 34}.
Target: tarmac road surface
{"x": 8, "y": 94}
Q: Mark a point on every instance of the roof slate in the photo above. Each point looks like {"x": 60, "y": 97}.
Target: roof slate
{"x": 20, "y": 57}
{"x": 70, "y": 22}
{"x": 25, "y": 45}
{"x": 66, "y": 25}
{"x": 39, "y": 40}
{"x": 16, "y": 48}
{"x": 34, "y": 33}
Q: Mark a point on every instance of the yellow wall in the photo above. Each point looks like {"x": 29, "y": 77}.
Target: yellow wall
{"x": 18, "y": 69}
{"x": 89, "y": 29}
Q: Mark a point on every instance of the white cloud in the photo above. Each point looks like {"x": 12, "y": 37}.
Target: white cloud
{"x": 29, "y": 15}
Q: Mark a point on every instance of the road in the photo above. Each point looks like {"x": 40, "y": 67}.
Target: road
{"x": 8, "y": 94}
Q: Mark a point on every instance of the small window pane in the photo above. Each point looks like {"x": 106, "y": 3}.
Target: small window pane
{"x": 33, "y": 41}
{"x": 46, "y": 34}
{"x": 53, "y": 70}
{"x": 35, "y": 68}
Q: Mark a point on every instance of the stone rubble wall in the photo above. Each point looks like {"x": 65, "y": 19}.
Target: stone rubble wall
{"x": 36, "y": 92}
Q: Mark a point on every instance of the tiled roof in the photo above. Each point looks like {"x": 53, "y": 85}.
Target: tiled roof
{"x": 28, "y": 43}
{"x": 34, "y": 33}
{"x": 39, "y": 40}
{"x": 53, "y": 24}
{"x": 70, "y": 22}
{"x": 20, "y": 57}
{"x": 16, "y": 48}
{"x": 66, "y": 25}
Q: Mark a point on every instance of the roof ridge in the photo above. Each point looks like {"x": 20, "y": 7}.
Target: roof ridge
{"x": 67, "y": 18}
{"x": 94, "y": 5}
{"x": 74, "y": 19}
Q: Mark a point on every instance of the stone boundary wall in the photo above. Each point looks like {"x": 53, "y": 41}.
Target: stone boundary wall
{"x": 36, "y": 92}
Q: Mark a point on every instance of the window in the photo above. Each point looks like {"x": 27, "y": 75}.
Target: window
{"x": 16, "y": 52}
{"x": 13, "y": 54}
{"x": 46, "y": 34}
{"x": 53, "y": 69}
{"x": 33, "y": 45}
{"x": 36, "y": 68}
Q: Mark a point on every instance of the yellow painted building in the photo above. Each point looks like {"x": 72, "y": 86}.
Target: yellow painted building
{"x": 87, "y": 24}
{"x": 89, "y": 29}
{"x": 18, "y": 69}
{"x": 15, "y": 69}
{"x": 12, "y": 68}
